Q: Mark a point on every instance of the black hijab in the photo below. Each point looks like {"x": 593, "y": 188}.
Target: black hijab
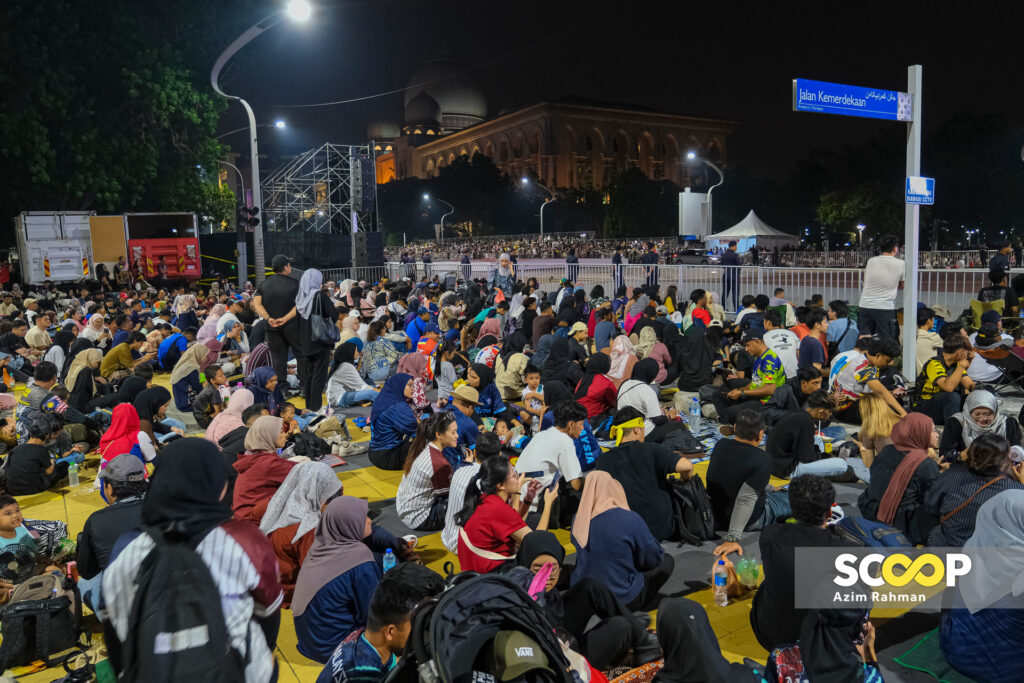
{"x": 645, "y": 370}
{"x": 147, "y": 403}
{"x": 64, "y": 340}
{"x": 598, "y": 364}
{"x": 486, "y": 340}
{"x": 559, "y": 366}
{"x": 826, "y": 645}
{"x": 80, "y": 344}
{"x": 346, "y": 353}
{"x": 527, "y": 317}
{"x": 185, "y": 491}
{"x": 131, "y": 387}
{"x": 485, "y": 374}
{"x": 538, "y": 543}
{"x": 556, "y": 392}
{"x": 514, "y": 343}
{"x": 692, "y": 653}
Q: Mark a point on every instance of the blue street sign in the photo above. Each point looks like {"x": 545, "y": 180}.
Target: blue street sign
{"x": 920, "y": 190}
{"x": 851, "y": 100}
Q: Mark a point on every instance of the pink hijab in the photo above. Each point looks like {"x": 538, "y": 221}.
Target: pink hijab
{"x": 209, "y": 329}
{"x": 490, "y": 326}
{"x": 231, "y": 419}
{"x": 414, "y": 364}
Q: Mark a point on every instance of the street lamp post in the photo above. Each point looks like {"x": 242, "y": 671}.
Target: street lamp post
{"x": 526, "y": 181}
{"x": 279, "y": 124}
{"x": 243, "y": 260}
{"x": 451, "y": 210}
{"x": 693, "y": 156}
{"x": 297, "y": 10}
{"x": 860, "y": 235}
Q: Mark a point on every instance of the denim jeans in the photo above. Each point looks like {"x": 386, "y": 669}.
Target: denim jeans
{"x": 305, "y": 419}
{"x": 170, "y": 422}
{"x": 835, "y": 432}
{"x": 350, "y": 398}
{"x": 91, "y": 590}
{"x": 826, "y": 467}
{"x": 776, "y": 509}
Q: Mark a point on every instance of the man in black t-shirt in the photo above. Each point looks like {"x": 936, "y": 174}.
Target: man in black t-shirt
{"x": 275, "y": 303}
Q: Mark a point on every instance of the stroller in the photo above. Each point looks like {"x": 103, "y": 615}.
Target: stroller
{"x": 453, "y": 636}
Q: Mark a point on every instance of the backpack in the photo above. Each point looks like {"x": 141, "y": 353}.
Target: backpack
{"x": 43, "y": 618}
{"x": 310, "y": 445}
{"x": 865, "y": 532}
{"x": 695, "y": 519}
{"x": 178, "y": 630}
{"x": 449, "y": 632}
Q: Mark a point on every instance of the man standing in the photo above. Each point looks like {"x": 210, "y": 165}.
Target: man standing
{"x": 572, "y": 267}
{"x": 882, "y": 277}
{"x": 650, "y": 259}
{"x": 617, "y": 267}
{"x": 275, "y": 303}
{"x": 731, "y": 276}
{"x": 427, "y": 260}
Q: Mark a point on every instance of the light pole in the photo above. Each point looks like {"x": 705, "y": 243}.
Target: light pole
{"x": 297, "y": 10}
{"x": 693, "y": 156}
{"x": 279, "y": 124}
{"x": 860, "y": 236}
{"x": 243, "y": 261}
{"x": 526, "y": 181}
{"x": 451, "y": 210}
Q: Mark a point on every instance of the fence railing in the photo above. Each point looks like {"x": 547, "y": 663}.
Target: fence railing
{"x": 951, "y": 288}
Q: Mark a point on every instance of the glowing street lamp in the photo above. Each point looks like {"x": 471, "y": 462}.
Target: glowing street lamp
{"x": 693, "y": 156}
{"x": 860, "y": 238}
{"x": 526, "y": 182}
{"x": 451, "y": 210}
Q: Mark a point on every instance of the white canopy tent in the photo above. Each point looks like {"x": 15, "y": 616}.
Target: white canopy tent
{"x": 750, "y": 231}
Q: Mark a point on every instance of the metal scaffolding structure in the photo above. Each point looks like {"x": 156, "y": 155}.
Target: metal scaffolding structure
{"x": 323, "y": 190}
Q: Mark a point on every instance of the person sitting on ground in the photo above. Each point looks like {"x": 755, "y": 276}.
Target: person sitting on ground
{"x": 185, "y": 381}
{"x": 422, "y": 497}
{"x": 210, "y": 401}
{"x": 491, "y": 529}
{"x": 617, "y": 630}
{"x": 876, "y": 424}
{"x": 31, "y": 468}
{"x": 767, "y": 374}
{"x": 265, "y": 386}
{"x": 692, "y": 651}
{"x": 124, "y": 485}
{"x": 121, "y": 360}
{"x": 943, "y": 381}
{"x": 793, "y": 444}
{"x": 928, "y": 342}
{"x": 171, "y": 348}
{"x": 792, "y": 396}
{"x": 395, "y": 415}
{"x": 773, "y": 617}
{"x": 812, "y": 352}
{"x": 487, "y": 445}
{"x": 738, "y": 477}
{"x": 124, "y": 436}
{"x": 988, "y": 340}
{"x": 260, "y": 469}
{"x": 551, "y": 454}
{"x": 605, "y": 328}
{"x": 981, "y": 415}
{"x": 481, "y": 378}
{"x": 151, "y": 406}
{"x": 81, "y": 381}
{"x": 856, "y": 373}
{"x": 835, "y": 644}
{"x": 1000, "y": 290}
{"x": 232, "y": 444}
{"x": 346, "y": 387}
{"x": 958, "y": 493}
{"x": 842, "y": 331}
{"x": 615, "y": 546}
{"x": 779, "y": 299}
{"x": 367, "y": 654}
{"x": 230, "y": 418}
{"x": 129, "y": 389}
{"x": 901, "y": 477}
{"x": 642, "y": 468}
{"x": 650, "y": 347}
{"x": 595, "y": 392}
{"x": 587, "y": 447}
{"x": 533, "y": 404}
{"x": 782, "y": 341}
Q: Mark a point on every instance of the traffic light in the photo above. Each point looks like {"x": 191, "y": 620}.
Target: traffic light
{"x": 247, "y": 217}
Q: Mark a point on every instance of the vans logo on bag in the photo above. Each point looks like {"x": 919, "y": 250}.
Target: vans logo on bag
{"x": 524, "y": 651}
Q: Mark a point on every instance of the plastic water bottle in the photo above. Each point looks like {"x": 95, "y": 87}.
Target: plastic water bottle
{"x": 73, "y": 474}
{"x": 721, "y": 577}
{"x": 694, "y": 416}
{"x": 535, "y": 425}
{"x": 389, "y": 560}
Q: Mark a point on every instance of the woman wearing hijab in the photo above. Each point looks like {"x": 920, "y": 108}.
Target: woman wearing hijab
{"x": 481, "y": 378}
{"x": 901, "y": 477}
{"x": 623, "y": 357}
{"x": 209, "y": 329}
{"x": 265, "y": 387}
{"x": 487, "y": 350}
{"x": 312, "y": 299}
{"x": 510, "y": 365}
{"x": 415, "y": 365}
{"x": 185, "y": 499}
{"x": 81, "y": 379}
{"x": 394, "y": 421}
{"x": 492, "y": 327}
{"x": 978, "y": 635}
{"x": 290, "y": 517}
{"x": 650, "y": 347}
{"x": 595, "y": 391}
{"x": 349, "y": 327}
{"x": 185, "y": 383}
{"x": 96, "y": 331}
{"x": 337, "y": 580}
{"x": 230, "y": 418}
{"x": 185, "y": 313}
{"x": 835, "y": 646}
{"x": 980, "y": 415}
{"x": 635, "y": 311}
{"x": 559, "y": 365}
{"x": 123, "y": 436}
{"x": 691, "y": 648}
{"x": 503, "y": 276}
{"x": 346, "y": 387}
{"x": 614, "y": 545}
{"x": 58, "y": 351}
{"x": 260, "y": 469}
{"x": 151, "y": 406}
{"x": 617, "y": 630}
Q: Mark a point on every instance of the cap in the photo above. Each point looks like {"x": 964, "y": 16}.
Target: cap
{"x": 514, "y": 653}
{"x": 578, "y": 327}
{"x": 753, "y": 333}
{"x": 26, "y": 302}
{"x": 431, "y": 327}
{"x": 988, "y": 335}
{"x": 990, "y": 317}
{"x": 715, "y": 323}
{"x": 124, "y": 467}
{"x": 662, "y": 310}
{"x": 467, "y": 394}
{"x": 280, "y": 261}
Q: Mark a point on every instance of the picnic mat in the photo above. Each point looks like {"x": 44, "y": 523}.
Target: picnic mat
{"x": 927, "y": 656}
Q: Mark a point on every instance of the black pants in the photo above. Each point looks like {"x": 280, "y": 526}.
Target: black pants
{"x": 611, "y": 638}
{"x": 654, "y": 579}
{"x": 279, "y": 341}
{"x": 316, "y": 378}
{"x": 731, "y": 284}
{"x": 391, "y": 458}
{"x": 878, "y": 321}
{"x": 940, "y": 407}
{"x": 729, "y": 408}
{"x": 435, "y": 518}
{"x": 659, "y": 433}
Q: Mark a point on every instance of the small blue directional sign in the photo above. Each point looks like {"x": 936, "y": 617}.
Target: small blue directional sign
{"x": 850, "y": 100}
{"x": 920, "y": 190}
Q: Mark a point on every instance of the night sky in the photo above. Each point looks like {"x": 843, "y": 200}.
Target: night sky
{"x": 725, "y": 59}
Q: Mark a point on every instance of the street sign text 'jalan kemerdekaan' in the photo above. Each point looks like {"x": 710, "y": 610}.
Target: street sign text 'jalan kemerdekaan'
{"x": 851, "y": 100}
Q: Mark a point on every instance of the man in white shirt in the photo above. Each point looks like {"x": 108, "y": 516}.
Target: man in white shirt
{"x": 554, "y": 450}
{"x": 989, "y": 336}
{"x": 882, "y": 277}
{"x": 780, "y": 340}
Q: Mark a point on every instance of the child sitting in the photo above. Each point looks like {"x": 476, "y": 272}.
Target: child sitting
{"x": 30, "y": 467}
{"x": 533, "y": 398}
{"x": 210, "y": 400}
{"x": 295, "y": 420}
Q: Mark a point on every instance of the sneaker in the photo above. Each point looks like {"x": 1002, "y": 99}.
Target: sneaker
{"x": 709, "y": 411}
{"x": 726, "y": 430}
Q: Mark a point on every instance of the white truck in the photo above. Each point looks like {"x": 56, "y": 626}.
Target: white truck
{"x": 54, "y": 245}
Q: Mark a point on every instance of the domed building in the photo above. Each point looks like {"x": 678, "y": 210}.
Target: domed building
{"x": 461, "y": 104}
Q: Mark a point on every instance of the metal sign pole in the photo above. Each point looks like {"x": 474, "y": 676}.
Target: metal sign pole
{"x": 911, "y": 228}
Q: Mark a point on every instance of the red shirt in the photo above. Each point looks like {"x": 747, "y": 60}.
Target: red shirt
{"x": 489, "y": 528}
{"x": 259, "y": 477}
{"x": 600, "y": 397}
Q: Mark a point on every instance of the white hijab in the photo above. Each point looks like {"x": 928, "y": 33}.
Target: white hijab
{"x": 304, "y": 490}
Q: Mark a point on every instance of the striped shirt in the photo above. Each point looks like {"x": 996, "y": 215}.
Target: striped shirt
{"x": 429, "y": 478}
{"x": 244, "y": 568}
{"x": 456, "y": 499}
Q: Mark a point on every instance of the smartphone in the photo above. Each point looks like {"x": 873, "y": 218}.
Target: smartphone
{"x": 534, "y": 475}
{"x": 554, "y": 481}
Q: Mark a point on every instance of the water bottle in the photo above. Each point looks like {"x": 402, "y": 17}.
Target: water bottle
{"x": 73, "y": 474}
{"x": 694, "y": 416}
{"x": 389, "y": 560}
{"x": 721, "y": 577}
{"x": 535, "y": 425}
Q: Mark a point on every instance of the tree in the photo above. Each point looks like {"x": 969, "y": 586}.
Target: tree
{"x": 632, "y": 209}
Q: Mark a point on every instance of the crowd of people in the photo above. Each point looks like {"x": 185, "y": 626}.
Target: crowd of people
{"x": 509, "y": 412}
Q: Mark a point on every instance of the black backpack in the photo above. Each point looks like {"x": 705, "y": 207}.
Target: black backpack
{"x": 177, "y": 599}
{"x": 695, "y": 520}
{"x": 43, "y": 619}
{"x": 310, "y": 445}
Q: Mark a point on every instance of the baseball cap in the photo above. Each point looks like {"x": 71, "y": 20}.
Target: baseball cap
{"x": 26, "y": 302}
{"x": 990, "y": 317}
{"x": 715, "y": 323}
{"x": 578, "y": 327}
{"x": 988, "y": 335}
{"x": 467, "y": 394}
{"x": 753, "y": 333}
{"x": 431, "y": 327}
{"x": 514, "y": 653}
{"x": 280, "y": 261}
{"x": 124, "y": 467}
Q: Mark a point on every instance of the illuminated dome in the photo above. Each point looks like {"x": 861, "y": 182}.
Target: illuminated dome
{"x": 462, "y": 104}
{"x": 382, "y": 130}
{"x": 422, "y": 110}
